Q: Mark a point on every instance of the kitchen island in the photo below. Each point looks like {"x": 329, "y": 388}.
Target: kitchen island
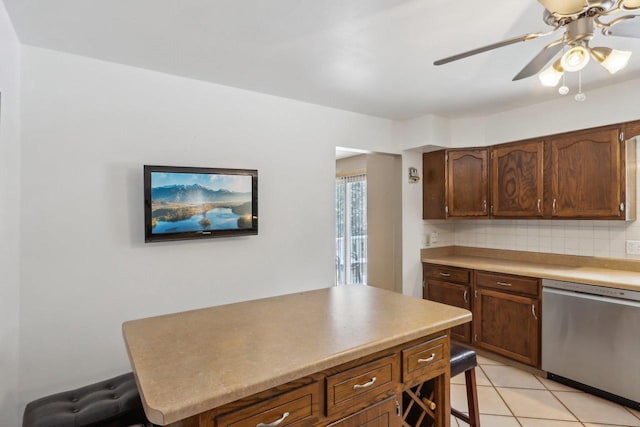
{"x": 345, "y": 355}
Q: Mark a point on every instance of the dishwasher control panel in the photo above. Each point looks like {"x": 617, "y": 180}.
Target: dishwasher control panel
{"x": 593, "y": 289}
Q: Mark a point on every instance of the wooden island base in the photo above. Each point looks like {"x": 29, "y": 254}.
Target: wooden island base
{"x": 406, "y": 385}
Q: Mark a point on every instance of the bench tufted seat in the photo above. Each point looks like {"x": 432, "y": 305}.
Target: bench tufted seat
{"x": 111, "y": 403}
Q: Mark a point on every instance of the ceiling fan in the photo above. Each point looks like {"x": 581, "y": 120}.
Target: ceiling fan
{"x": 578, "y": 19}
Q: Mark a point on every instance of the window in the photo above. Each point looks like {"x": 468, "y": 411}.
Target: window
{"x": 351, "y": 229}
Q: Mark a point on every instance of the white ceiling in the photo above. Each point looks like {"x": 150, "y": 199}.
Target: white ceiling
{"x": 368, "y": 56}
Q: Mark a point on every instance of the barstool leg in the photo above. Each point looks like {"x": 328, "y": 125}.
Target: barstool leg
{"x": 472, "y": 397}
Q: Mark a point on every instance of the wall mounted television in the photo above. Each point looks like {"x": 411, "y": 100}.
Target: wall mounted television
{"x": 183, "y": 203}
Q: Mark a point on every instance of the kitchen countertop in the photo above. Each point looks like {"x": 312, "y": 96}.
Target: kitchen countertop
{"x": 615, "y": 273}
{"x": 190, "y": 362}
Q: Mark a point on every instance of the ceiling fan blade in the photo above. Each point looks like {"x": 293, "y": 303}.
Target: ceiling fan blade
{"x": 565, "y": 7}
{"x": 624, "y": 27}
{"x": 540, "y": 60}
{"x": 484, "y": 49}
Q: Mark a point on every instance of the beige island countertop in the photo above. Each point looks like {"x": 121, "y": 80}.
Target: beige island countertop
{"x": 190, "y": 362}
{"x": 608, "y": 272}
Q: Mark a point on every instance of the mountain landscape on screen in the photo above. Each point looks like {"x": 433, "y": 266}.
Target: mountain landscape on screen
{"x": 178, "y": 207}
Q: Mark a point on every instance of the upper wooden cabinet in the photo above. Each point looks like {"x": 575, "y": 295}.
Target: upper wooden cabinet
{"x": 455, "y": 184}
{"x": 517, "y": 183}
{"x": 587, "y": 175}
{"x": 467, "y": 183}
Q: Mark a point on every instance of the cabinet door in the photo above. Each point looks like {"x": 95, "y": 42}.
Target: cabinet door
{"x": 467, "y": 183}
{"x": 451, "y": 294}
{"x": 507, "y": 324}
{"x": 517, "y": 180}
{"x": 587, "y": 175}
{"x": 383, "y": 414}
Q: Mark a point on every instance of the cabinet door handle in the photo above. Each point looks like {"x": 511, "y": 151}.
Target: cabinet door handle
{"x": 466, "y": 300}
{"x": 445, "y": 274}
{"x": 398, "y": 411}
{"x": 504, "y": 284}
{"x": 276, "y": 422}
{"x": 428, "y": 359}
{"x": 539, "y": 206}
{"x": 553, "y": 207}
{"x": 475, "y": 294}
{"x": 365, "y": 385}
{"x": 533, "y": 311}
{"x": 484, "y": 206}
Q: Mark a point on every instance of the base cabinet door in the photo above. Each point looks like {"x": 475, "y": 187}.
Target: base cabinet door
{"x": 452, "y": 294}
{"x": 507, "y": 324}
{"x": 384, "y": 414}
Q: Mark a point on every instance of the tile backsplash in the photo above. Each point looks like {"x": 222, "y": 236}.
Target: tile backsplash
{"x": 571, "y": 237}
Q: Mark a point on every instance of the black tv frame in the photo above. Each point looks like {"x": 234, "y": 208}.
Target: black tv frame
{"x": 205, "y": 234}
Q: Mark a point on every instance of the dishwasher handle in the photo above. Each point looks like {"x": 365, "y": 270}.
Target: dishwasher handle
{"x": 602, "y": 298}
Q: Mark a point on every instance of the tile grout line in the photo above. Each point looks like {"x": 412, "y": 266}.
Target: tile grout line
{"x": 498, "y": 393}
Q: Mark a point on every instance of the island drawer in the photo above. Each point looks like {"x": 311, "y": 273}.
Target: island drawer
{"x": 448, "y": 274}
{"x": 508, "y": 282}
{"x": 295, "y": 408}
{"x": 424, "y": 361}
{"x": 386, "y": 413}
{"x": 362, "y": 385}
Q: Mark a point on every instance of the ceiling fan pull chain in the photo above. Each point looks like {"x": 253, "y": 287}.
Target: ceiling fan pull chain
{"x": 580, "y": 96}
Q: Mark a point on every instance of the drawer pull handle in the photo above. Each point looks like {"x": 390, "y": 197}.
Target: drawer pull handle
{"x": 445, "y": 274}
{"x": 365, "y": 385}
{"x": 276, "y": 422}
{"x": 428, "y": 359}
{"x": 503, "y": 283}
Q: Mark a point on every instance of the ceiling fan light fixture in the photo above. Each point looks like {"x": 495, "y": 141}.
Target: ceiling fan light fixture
{"x": 630, "y": 5}
{"x": 575, "y": 59}
{"x": 550, "y": 76}
{"x": 611, "y": 59}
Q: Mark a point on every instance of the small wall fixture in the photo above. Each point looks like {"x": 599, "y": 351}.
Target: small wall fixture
{"x": 413, "y": 176}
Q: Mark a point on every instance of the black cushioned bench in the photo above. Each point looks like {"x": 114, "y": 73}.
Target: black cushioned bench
{"x": 110, "y": 403}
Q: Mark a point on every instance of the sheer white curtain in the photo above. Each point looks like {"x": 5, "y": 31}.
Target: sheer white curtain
{"x": 351, "y": 229}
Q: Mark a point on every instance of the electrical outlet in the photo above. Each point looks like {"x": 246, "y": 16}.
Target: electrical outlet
{"x": 434, "y": 237}
{"x": 633, "y": 247}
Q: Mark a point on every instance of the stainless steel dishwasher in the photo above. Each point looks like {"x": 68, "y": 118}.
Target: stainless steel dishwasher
{"x": 591, "y": 339}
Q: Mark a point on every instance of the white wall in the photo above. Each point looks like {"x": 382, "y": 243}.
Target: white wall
{"x": 88, "y": 128}
{"x": 9, "y": 220}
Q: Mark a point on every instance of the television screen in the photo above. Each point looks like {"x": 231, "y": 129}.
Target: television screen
{"x": 193, "y": 203}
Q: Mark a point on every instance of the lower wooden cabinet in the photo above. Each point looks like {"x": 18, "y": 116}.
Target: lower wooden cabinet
{"x": 506, "y": 309}
{"x": 384, "y": 414}
{"x": 507, "y": 324}
{"x": 452, "y": 294}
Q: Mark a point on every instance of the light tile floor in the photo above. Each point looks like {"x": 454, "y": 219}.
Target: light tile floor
{"x": 510, "y": 397}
